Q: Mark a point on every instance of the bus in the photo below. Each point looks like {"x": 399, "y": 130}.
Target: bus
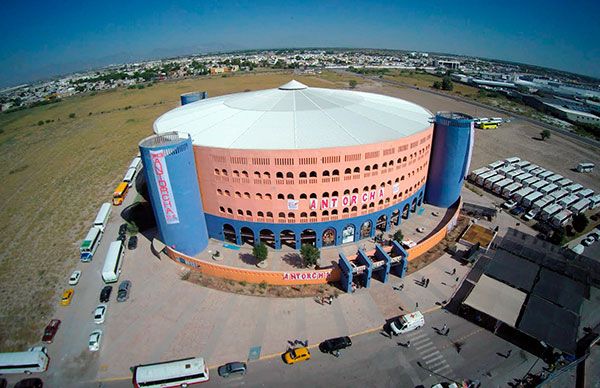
{"x": 102, "y": 217}
{"x": 120, "y": 193}
{"x": 35, "y": 360}
{"x": 176, "y": 373}
{"x": 90, "y": 244}
{"x": 135, "y": 163}
{"x": 113, "y": 261}
{"x": 129, "y": 175}
{"x": 585, "y": 167}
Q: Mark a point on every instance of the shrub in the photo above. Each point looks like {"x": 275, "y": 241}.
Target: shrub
{"x": 71, "y": 115}
{"x": 558, "y": 236}
{"x": 41, "y": 122}
{"x": 398, "y": 236}
{"x": 310, "y": 255}
{"x": 580, "y": 222}
{"x": 545, "y": 134}
{"x": 352, "y": 84}
{"x": 260, "y": 252}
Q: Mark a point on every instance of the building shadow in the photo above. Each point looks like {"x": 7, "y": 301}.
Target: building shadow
{"x": 247, "y": 258}
{"x": 293, "y": 259}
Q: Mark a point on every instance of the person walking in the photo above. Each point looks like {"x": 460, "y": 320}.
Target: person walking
{"x": 454, "y": 271}
{"x": 416, "y": 305}
{"x": 508, "y": 353}
{"x": 444, "y": 328}
{"x": 427, "y": 283}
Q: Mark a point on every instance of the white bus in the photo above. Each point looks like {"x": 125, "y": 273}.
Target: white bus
{"x": 90, "y": 244}
{"x": 102, "y": 217}
{"x": 176, "y": 373}
{"x": 23, "y": 362}
{"x": 585, "y": 167}
{"x": 129, "y": 175}
{"x": 509, "y": 190}
{"x": 113, "y": 261}
{"x": 135, "y": 163}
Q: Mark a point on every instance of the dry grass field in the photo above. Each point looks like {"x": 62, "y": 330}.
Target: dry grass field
{"x": 56, "y": 176}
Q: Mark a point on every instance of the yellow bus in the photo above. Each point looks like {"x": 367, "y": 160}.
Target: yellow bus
{"x": 120, "y": 193}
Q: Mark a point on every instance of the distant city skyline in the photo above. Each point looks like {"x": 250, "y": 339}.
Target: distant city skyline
{"x": 44, "y": 40}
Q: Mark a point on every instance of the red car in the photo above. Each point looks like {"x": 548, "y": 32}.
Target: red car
{"x": 50, "y": 331}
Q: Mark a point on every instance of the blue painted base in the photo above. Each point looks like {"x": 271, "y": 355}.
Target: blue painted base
{"x": 226, "y": 229}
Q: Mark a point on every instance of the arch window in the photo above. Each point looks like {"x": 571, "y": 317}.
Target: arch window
{"x": 247, "y": 195}
{"x": 238, "y": 194}
{"x": 245, "y": 174}
{"x": 313, "y": 214}
{"x": 303, "y": 196}
{"x": 221, "y": 209}
{"x": 219, "y": 192}
{"x": 313, "y": 195}
{"x": 326, "y": 173}
{"x": 236, "y": 173}
{"x": 355, "y": 191}
{"x": 367, "y": 168}
{"x": 291, "y": 215}
{"x": 303, "y": 174}
{"x": 217, "y": 172}
{"x": 325, "y": 195}
{"x": 399, "y": 160}
{"x": 268, "y": 196}
{"x": 375, "y": 166}
{"x": 269, "y": 214}
{"x": 335, "y": 172}
{"x": 229, "y": 210}
{"x": 258, "y": 196}
{"x": 248, "y": 213}
{"x": 356, "y": 170}
{"x": 289, "y": 175}
{"x": 281, "y": 215}
{"x": 279, "y": 175}
{"x": 346, "y": 192}
{"x": 404, "y": 159}
{"x": 325, "y": 213}
{"x": 354, "y": 209}
{"x": 313, "y": 174}
{"x": 345, "y": 210}
{"x": 280, "y": 196}
{"x": 391, "y": 163}
{"x": 257, "y": 174}
{"x": 372, "y": 204}
{"x": 366, "y": 188}
{"x": 334, "y": 212}
{"x": 334, "y": 194}
{"x": 267, "y": 175}
{"x": 227, "y": 193}
{"x": 348, "y": 171}
{"x": 373, "y": 187}
{"x": 290, "y": 196}
{"x": 260, "y": 214}
{"x": 224, "y": 172}
{"x": 384, "y": 165}
{"x": 303, "y": 215}
{"x": 240, "y": 212}
{"x": 364, "y": 207}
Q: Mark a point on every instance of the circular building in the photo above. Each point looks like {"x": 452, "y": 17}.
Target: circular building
{"x": 300, "y": 165}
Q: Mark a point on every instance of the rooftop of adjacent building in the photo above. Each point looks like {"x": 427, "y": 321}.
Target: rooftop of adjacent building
{"x": 295, "y": 116}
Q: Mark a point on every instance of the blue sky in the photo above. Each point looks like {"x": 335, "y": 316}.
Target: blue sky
{"x": 41, "y": 39}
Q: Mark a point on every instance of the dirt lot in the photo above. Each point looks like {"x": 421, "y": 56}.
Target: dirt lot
{"x": 517, "y": 138}
{"x": 57, "y": 174}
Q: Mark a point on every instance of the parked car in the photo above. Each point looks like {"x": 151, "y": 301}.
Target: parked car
{"x": 132, "y": 243}
{"x": 530, "y": 215}
{"x": 74, "y": 279}
{"x": 67, "y": 296}
{"x": 232, "y": 368}
{"x": 334, "y": 345}
{"x": 50, "y": 331}
{"x": 123, "y": 293}
{"x": 296, "y": 355}
{"x": 578, "y": 249}
{"x": 517, "y": 210}
{"x": 30, "y": 383}
{"x": 94, "y": 341}
{"x": 509, "y": 204}
{"x": 100, "y": 314}
{"x": 105, "y": 294}
{"x": 123, "y": 229}
{"x": 122, "y": 238}
{"x": 589, "y": 240}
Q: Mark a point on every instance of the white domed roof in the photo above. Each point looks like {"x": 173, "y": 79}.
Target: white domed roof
{"x": 295, "y": 116}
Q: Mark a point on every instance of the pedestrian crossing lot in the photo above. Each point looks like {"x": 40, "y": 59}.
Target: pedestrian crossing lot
{"x": 428, "y": 353}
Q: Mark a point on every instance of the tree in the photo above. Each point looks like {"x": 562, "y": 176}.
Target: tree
{"x": 437, "y": 85}
{"x": 580, "y": 222}
{"x": 545, "y": 134}
{"x": 41, "y": 122}
{"x": 352, "y": 83}
{"x": 447, "y": 83}
{"x": 260, "y": 252}
{"x": 309, "y": 254}
{"x": 558, "y": 236}
{"x": 71, "y": 115}
{"x": 398, "y": 236}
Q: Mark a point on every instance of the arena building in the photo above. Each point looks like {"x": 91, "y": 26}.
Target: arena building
{"x": 299, "y": 165}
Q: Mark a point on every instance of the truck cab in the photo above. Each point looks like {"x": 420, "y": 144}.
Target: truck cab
{"x": 407, "y": 322}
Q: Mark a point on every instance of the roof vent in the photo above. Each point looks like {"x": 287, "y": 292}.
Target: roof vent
{"x": 293, "y": 85}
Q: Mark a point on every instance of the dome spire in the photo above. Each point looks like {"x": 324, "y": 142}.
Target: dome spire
{"x": 293, "y": 85}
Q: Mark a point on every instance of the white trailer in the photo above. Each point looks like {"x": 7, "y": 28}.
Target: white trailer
{"x": 135, "y": 163}
{"x": 585, "y": 167}
{"x": 567, "y": 201}
{"x": 522, "y": 177}
{"x": 475, "y": 173}
{"x": 554, "y": 178}
{"x": 537, "y": 171}
{"x": 561, "y": 218}
{"x": 515, "y": 173}
{"x": 511, "y": 189}
{"x": 530, "y": 168}
{"x": 575, "y": 187}
{"x": 102, "y": 216}
{"x": 580, "y": 206}
{"x": 499, "y": 186}
{"x": 537, "y": 186}
{"x": 560, "y": 193}
{"x": 129, "y": 175}
{"x": 481, "y": 178}
{"x": 549, "y": 211}
{"x": 545, "y": 174}
{"x": 585, "y": 193}
{"x": 529, "y": 181}
{"x": 524, "y": 192}
{"x": 496, "y": 165}
{"x": 489, "y": 183}
{"x": 564, "y": 182}
{"x": 531, "y": 198}
{"x": 550, "y": 188}
{"x": 512, "y": 160}
{"x": 542, "y": 203}
{"x": 522, "y": 163}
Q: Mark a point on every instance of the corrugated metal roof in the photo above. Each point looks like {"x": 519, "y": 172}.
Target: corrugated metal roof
{"x": 295, "y": 116}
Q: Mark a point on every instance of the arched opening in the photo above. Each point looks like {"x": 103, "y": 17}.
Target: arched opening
{"x": 405, "y": 211}
{"x": 247, "y": 236}
{"x": 325, "y": 173}
{"x": 308, "y": 236}
{"x": 347, "y": 171}
{"x": 356, "y": 170}
{"x": 267, "y": 237}
{"x": 288, "y": 238}
{"x": 420, "y": 202}
{"x": 329, "y": 237}
{"x": 313, "y": 174}
{"x": 381, "y": 223}
{"x": 229, "y": 233}
{"x": 395, "y": 218}
{"x": 365, "y": 229}
{"x": 348, "y": 234}
{"x": 414, "y": 205}
{"x": 289, "y": 175}
{"x": 303, "y": 174}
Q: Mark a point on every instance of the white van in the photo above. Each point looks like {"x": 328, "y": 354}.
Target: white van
{"x": 407, "y": 322}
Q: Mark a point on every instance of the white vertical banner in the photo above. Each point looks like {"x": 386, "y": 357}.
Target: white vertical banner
{"x": 161, "y": 176}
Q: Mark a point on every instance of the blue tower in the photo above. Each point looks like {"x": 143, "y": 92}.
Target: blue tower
{"x": 451, "y": 150}
{"x": 170, "y": 171}
{"x": 193, "y": 97}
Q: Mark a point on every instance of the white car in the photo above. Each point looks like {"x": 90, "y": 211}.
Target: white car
{"x": 94, "y": 342}
{"x": 589, "y": 240}
{"x": 100, "y": 313}
{"x": 74, "y": 279}
{"x": 509, "y": 204}
{"x": 530, "y": 215}
{"x": 578, "y": 249}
